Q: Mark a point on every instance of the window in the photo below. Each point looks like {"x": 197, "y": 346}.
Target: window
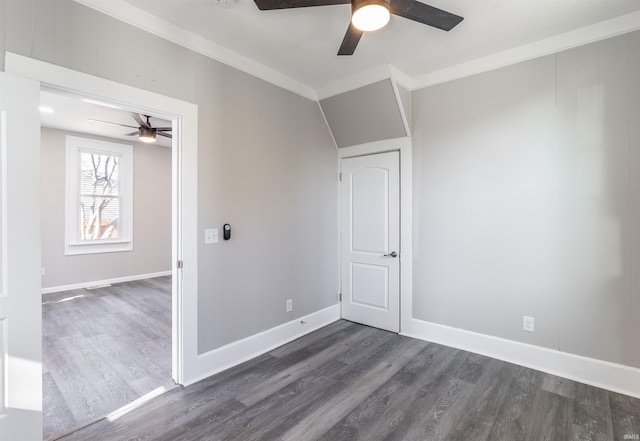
{"x": 99, "y": 196}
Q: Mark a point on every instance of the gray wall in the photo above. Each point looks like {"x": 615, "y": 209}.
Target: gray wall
{"x": 526, "y": 201}
{"x": 267, "y": 164}
{"x": 151, "y": 217}
{"x": 369, "y": 113}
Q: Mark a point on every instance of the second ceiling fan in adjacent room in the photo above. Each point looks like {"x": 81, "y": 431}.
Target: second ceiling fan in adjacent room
{"x": 145, "y": 131}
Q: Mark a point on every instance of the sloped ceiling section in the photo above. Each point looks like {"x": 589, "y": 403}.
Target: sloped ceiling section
{"x": 367, "y": 114}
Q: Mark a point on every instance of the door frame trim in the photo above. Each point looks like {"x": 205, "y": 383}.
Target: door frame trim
{"x": 402, "y": 145}
{"x": 184, "y": 187}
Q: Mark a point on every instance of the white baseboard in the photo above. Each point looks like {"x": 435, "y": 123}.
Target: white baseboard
{"x": 230, "y": 355}
{"x": 104, "y": 282}
{"x": 602, "y": 374}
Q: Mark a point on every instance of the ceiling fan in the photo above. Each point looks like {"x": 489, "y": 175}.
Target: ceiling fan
{"x": 145, "y": 132}
{"x": 371, "y": 15}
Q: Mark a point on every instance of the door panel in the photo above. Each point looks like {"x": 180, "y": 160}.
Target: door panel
{"x": 370, "y": 285}
{"x": 20, "y": 296}
{"x": 370, "y": 234}
{"x": 369, "y": 208}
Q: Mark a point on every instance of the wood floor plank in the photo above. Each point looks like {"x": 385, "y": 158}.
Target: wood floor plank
{"x": 317, "y": 345}
{"x": 282, "y": 408}
{"x": 439, "y": 410}
{"x": 558, "y": 385}
{"x": 625, "y": 416}
{"x": 332, "y": 411}
{"x": 383, "y": 387}
{"x": 516, "y": 414}
{"x": 591, "y": 414}
{"x": 70, "y": 374}
{"x": 369, "y": 353}
{"x": 102, "y": 351}
{"x": 273, "y": 416}
{"x": 485, "y": 402}
{"x": 57, "y": 415}
{"x": 389, "y": 406}
{"x": 291, "y": 374}
{"x": 211, "y": 400}
{"x": 320, "y": 334}
{"x": 552, "y": 418}
{"x": 472, "y": 368}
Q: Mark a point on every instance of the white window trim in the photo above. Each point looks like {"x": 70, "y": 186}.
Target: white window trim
{"x": 73, "y": 245}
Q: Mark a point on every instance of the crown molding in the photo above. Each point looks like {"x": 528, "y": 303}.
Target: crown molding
{"x": 142, "y": 19}
{"x": 401, "y": 78}
{"x": 361, "y": 79}
{"x": 558, "y": 43}
{"x": 354, "y": 81}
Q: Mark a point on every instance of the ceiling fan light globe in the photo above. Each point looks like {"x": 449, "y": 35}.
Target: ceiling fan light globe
{"x": 370, "y": 15}
{"x": 146, "y": 138}
{"x": 147, "y": 135}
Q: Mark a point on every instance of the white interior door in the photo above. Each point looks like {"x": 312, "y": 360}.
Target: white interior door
{"x": 20, "y": 296}
{"x": 371, "y": 240}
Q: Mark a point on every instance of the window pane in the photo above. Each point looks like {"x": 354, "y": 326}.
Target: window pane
{"x": 98, "y": 195}
{"x": 99, "y": 217}
{"x": 99, "y": 174}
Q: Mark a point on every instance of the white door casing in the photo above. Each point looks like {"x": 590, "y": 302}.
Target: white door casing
{"x": 370, "y": 194}
{"x": 20, "y": 298}
{"x": 185, "y": 357}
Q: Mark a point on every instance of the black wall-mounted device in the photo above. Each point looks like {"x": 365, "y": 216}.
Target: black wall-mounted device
{"x": 226, "y": 231}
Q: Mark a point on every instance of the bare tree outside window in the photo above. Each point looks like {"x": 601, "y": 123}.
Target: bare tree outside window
{"x": 99, "y": 196}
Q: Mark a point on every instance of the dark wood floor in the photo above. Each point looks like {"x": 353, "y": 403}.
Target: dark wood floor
{"x": 352, "y": 382}
{"x": 102, "y": 349}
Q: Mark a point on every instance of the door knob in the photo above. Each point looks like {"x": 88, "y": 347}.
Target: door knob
{"x": 391, "y": 254}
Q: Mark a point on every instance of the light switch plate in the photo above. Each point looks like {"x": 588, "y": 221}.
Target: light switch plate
{"x": 211, "y": 235}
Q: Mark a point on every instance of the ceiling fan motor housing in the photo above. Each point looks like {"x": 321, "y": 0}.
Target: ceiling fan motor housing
{"x": 357, "y": 4}
{"x": 147, "y": 134}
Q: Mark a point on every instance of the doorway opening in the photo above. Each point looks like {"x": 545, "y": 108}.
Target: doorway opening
{"x": 30, "y": 75}
{"x": 370, "y": 252}
{"x": 387, "y": 254}
{"x": 106, "y": 258}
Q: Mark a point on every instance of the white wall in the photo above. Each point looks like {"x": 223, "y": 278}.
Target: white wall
{"x": 526, "y": 201}
{"x": 151, "y": 217}
{"x": 266, "y": 164}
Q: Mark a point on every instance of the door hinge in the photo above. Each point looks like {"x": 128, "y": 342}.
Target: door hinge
{"x": 340, "y": 176}
{"x": 180, "y": 264}
{"x": 340, "y": 296}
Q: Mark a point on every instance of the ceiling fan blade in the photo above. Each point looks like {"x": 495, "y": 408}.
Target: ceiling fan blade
{"x": 266, "y": 5}
{"x": 164, "y": 129}
{"x": 417, "y": 11}
{"x": 140, "y": 120}
{"x": 111, "y": 123}
{"x": 137, "y": 132}
{"x": 166, "y": 135}
{"x": 350, "y": 41}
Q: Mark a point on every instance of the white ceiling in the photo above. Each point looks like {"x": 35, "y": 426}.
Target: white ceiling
{"x": 302, "y": 43}
{"x": 69, "y": 112}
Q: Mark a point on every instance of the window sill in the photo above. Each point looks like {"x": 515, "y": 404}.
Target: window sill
{"x": 74, "y": 249}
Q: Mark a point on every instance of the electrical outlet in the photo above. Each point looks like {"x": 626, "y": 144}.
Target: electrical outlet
{"x": 527, "y": 323}
{"x": 289, "y": 305}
